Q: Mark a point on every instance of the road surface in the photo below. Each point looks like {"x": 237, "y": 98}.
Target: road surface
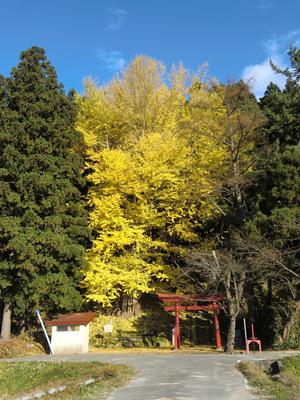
{"x": 175, "y": 376}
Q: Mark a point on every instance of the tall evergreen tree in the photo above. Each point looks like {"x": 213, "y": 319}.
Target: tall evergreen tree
{"x": 276, "y": 207}
{"x": 43, "y": 225}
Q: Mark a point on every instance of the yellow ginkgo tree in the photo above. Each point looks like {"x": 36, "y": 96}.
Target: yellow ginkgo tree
{"x": 150, "y": 175}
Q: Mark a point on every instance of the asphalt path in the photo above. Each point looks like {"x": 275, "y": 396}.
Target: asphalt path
{"x": 175, "y": 376}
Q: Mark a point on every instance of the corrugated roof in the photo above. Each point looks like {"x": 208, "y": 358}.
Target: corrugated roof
{"x": 83, "y": 318}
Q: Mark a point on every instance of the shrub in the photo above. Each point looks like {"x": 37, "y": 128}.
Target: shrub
{"x": 127, "y": 332}
{"x": 21, "y": 345}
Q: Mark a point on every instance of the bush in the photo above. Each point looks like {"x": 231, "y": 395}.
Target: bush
{"x": 127, "y": 332}
{"x": 21, "y": 345}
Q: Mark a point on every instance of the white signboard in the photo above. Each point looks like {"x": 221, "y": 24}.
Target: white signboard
{"x": 108, "y": 328}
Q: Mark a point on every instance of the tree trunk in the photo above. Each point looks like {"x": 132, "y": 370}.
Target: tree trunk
{"x": 289, "y": 324}
{"x": 231, "y": 330}
{"x": 270, "y": 291}
{"x": 6, "y": 322}
{"x": 251, "y": 301}
{"x": 194, "y": 333}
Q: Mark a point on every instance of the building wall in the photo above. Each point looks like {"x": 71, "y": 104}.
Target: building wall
{"x": 70, "y": 342}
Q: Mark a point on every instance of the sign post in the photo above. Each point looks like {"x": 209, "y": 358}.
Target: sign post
{"x": 45, "y": 332}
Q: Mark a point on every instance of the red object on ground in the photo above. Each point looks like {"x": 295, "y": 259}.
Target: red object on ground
{"x": 83, "y": 318}
{"x": 198, "y": 303}
{"x": 253, "y": 339}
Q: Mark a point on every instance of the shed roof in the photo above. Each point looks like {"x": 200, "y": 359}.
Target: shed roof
{"x": 83, "y": 318}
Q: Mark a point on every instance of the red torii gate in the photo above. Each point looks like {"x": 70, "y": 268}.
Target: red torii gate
{"x": 207, "y": 303}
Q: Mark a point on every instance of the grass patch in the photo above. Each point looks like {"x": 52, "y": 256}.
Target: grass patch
{"x": 19, "y": 378}
{"x": 286, "y": 388}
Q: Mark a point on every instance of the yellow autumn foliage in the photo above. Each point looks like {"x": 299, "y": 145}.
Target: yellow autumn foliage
{"x": 152, "y": 176}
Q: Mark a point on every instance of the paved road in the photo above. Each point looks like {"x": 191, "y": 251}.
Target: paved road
{"x": 183, "y": 377}
{"x": 176, "y": 376}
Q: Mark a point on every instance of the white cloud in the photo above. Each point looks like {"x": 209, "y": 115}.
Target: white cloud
{"x": 280, "y": 44}
{"x": 112, "y": 60}
{"x": 260, "y": 75}
{"x": 117, "y": 18}
{"x": 265, "y": 4}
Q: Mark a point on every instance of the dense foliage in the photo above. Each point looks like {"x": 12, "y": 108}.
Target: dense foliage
{"x": 151, "y": 187}
{"x": 192, "y": 186}
{"x": 276, "y": 201}
{"x": 42, "y": 220}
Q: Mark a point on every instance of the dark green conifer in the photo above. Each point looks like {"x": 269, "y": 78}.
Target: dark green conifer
{"x": 276, "y": 195}
{"x": 43, "y": 225}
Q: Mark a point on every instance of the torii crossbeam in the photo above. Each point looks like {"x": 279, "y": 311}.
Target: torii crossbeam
{"x": 192, "y": 303}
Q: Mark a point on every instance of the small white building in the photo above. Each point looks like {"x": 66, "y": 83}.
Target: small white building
{"x": 70, "y": 333}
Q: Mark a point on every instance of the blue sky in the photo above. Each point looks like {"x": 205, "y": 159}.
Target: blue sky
{"x": 99, "y": 37}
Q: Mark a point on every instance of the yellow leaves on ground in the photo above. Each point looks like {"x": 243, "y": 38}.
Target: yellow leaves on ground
{"x": 151, "y": 158}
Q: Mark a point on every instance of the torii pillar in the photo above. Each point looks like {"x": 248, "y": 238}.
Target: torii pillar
{"x": 217, "y": 328}
{"x": 177, "y": 328}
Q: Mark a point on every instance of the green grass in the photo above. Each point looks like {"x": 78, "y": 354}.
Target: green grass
{"x": 286, "y": 388}
{"x": 20, "y": 378}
